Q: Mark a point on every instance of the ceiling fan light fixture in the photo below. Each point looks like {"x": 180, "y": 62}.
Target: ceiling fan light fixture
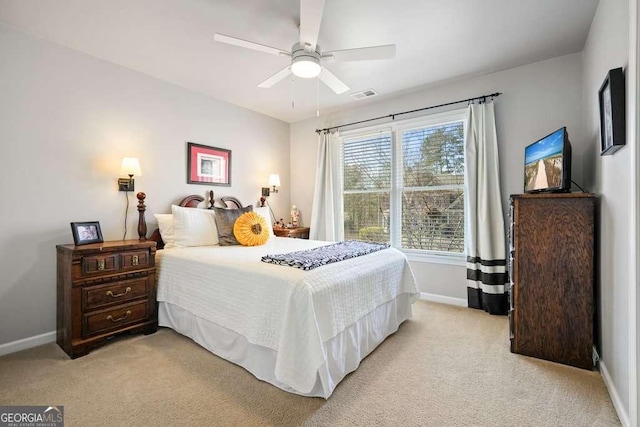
{"x": 306, "y": 67}
{"x": 305, "y": 61}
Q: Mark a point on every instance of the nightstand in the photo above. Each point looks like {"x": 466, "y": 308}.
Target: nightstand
{"x": 296, "y": 233}
{"x": 104, "y": 289}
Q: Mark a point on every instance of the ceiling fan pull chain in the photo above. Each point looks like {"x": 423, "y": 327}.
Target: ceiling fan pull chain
{"x": 317, "y": 97}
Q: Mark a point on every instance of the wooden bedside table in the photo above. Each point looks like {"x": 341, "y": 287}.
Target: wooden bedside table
{"x": 104, "y": 289}
{"x": 296, "y": 233}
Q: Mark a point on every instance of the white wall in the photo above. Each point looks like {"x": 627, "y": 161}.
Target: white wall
{"x": 537, "y": 99}
{"x": 66, "y": 121}
{"x": 607, "y": 47}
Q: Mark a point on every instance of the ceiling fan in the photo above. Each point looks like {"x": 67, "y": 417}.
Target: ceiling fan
{"x": 307, "y": 59}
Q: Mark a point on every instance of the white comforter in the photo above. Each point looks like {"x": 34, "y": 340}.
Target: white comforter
{"x": 280, "y": 307}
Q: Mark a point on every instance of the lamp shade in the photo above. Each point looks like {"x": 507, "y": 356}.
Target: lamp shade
{"x": 305, "y": 67}
{"x": 274, "y": 180}
{"x": 130, "y": 166}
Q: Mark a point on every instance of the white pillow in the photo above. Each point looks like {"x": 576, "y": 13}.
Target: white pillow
{"x": 194, "y": 227}
{"x": 264, "y": 212}
{"x": 165, "y": 226}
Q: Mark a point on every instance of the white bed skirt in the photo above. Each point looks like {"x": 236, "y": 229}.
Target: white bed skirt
{"x": 343, "y": 352}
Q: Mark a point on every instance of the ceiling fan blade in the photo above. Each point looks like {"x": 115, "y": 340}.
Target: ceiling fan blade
{"x": 362, "y": 53}
{"x": 276, "y": 78}
{"x": 310, "y": 19}
{"x": 249, "y": 45}
{"x": 334, "y": 83}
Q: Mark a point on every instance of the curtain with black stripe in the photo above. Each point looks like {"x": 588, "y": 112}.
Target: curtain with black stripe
{"x": 484, "y": 220}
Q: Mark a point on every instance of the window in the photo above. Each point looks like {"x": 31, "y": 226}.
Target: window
{"x": 367, "y": 187}
{"x": 405, "y": 185}
{"x": 433, "y": 188}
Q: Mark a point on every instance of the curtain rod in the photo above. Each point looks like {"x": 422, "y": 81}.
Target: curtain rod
{"x": 482, "y": 98}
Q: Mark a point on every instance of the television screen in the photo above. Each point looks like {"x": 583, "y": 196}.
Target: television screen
{"x": 548, "y": 163}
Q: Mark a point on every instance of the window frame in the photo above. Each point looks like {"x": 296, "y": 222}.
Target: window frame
{"x": 395, "y": 202}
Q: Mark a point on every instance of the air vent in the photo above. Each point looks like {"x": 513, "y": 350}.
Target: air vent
{"x": 364, "y": 94}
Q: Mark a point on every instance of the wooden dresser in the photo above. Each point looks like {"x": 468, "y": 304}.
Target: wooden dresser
{"x": 552, "y": 254}
{"x": 297, "y": 233}
{"x": 104, "y": 289}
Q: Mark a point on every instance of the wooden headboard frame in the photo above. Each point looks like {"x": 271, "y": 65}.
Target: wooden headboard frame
{"x": 192, "y": 201}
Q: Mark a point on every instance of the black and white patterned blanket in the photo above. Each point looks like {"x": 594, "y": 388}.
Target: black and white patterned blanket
{"x": 323, "y": 255}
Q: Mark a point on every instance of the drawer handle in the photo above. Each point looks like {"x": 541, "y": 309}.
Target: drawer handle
{"x": 126, "y": 291}
{"x": 100, "y": 264}
{"x": 127, "y": 314}
{"x": 134, "y": 260}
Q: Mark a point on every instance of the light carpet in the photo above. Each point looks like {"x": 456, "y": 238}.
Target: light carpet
{"x": 448, "y": 366}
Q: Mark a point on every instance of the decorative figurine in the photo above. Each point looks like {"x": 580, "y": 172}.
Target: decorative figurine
{"x": 295, "y": 216}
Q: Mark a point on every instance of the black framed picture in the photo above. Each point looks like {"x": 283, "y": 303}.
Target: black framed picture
{"x": 611, "y": 98}
{"x": 86, "y": 232}
{"x": 208, "y": 165}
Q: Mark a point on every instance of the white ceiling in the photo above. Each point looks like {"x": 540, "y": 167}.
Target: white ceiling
{"x": 436, "y": 40}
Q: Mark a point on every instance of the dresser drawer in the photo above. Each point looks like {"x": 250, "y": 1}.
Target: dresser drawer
{"x": 114, "y": 293}
{"x": 134, "y": 260}
{"x": 100, "y": 264}
{"x": 115, "y": 318}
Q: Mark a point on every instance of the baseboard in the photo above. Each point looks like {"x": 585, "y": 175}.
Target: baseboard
{"x": 443, "y": 299}
{"x": 615, "y": 397}
{"x": 25, "y": 343}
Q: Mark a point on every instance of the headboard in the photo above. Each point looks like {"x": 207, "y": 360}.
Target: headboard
{"x": 192, "y": 201}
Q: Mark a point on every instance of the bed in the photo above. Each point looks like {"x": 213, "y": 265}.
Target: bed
{"x": 302, "y": 331}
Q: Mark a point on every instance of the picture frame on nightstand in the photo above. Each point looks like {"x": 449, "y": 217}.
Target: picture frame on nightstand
{"x": 86, "y": 232}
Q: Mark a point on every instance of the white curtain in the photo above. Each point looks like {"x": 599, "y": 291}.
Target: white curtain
{"x": 484, "y": 220}
{"x": 326, "y": 214}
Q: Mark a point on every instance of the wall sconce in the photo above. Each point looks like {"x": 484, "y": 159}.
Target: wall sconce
{"x": 274, "y": 181}
{"x": 130, "y": 166}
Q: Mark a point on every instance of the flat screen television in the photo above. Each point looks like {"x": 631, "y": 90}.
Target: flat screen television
{"x": 547, "y": 164}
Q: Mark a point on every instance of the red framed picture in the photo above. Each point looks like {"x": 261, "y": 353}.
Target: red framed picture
{"x": 208, "y": 165}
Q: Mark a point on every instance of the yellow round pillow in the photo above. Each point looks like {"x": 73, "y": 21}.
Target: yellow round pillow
{"x": 251, "y": 229}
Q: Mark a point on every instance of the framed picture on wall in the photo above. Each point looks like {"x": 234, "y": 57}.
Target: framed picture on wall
{"x": 611, "y": 98}
{"x": 208, "y": 165}
{"x": 86, "y": 232}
